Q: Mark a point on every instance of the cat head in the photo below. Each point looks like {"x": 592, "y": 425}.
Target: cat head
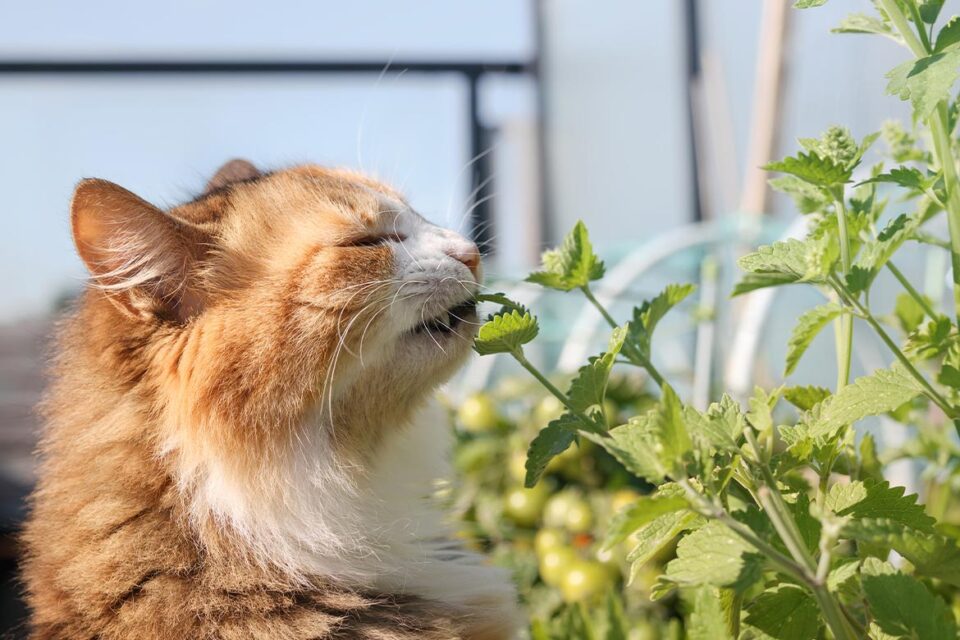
{"x": 273, "y": 297}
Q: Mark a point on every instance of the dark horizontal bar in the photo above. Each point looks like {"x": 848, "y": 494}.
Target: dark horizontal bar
{"x": 470, "y": 68}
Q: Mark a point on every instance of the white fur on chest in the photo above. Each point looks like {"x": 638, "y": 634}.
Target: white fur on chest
{"x": 376, "y": 528}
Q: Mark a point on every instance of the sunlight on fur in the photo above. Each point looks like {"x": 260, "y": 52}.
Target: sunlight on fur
{"x": 239, "y": 442}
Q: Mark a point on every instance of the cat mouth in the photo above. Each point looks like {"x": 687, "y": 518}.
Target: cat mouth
{"x": 449, "y": 320}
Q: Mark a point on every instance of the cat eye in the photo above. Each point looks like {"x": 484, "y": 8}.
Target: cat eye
{"x": 374, "y": 240}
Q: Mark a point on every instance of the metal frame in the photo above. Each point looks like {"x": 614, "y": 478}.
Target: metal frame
{"x": 472, "y": 71}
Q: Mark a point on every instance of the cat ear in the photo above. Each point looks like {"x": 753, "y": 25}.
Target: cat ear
{"x": 235, "y": 170}
{"x": 139, "y": 255}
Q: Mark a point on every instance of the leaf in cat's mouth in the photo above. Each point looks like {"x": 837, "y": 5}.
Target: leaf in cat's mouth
{"x": 449, "y": 320}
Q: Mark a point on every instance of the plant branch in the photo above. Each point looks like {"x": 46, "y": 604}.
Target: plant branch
{"x": 630, "y": 349}
{"x": 845, "y": 335}
{"x": 916, "y": 295}
{"x": 591, "y": 425}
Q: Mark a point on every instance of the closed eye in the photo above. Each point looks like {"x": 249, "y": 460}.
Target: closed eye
{"x": 374, "y": 240}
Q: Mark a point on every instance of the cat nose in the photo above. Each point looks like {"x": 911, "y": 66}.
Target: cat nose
{"x": 468, "y": 254}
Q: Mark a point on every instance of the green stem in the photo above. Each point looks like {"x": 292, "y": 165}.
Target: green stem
{"x": 929, "y": 391}
{"x": 630, "y": 349}
{"x": 918, "y": 21}
{"x": 938, "y": 122}
{"x": 916, "y": 295}
{"x": 559, "y": 395}
{"x": 845, "y": 339}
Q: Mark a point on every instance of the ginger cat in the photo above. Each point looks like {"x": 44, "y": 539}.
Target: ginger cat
{"x": 235, "y": 441}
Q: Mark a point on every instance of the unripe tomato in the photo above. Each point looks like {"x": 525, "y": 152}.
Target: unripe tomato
{"x": 555, "y": 564}
{"x": 569, "y": 511}
{"x": 517, "y": 466}
{"x": 524, "y": 506}
{"x": 612, "y": 412}
{"x": 478, "y": 414}
{"x": 623, "y": 498}
{"x": 584, "y": 580}
{"x": 547, "y": 539}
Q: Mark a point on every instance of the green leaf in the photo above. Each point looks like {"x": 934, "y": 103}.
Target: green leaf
{"x": 670, "y": 428}
{"x": 506, "y": 332}
{"x": 808, "y": 326}
{"x": 804, "y": 398}
{"x": 635, "y": 446}
{"x": 589, "y": 388}
{"x": 714, "y": 555}
{"x": 651, "y": 312}
{"x": 902, "y": 606}
{"x": 876, "y": 253}
{"x": 870, "y": 465}
{"x": 806, "y": 197}
{"x": 646, "y": 509}
{"x": 651, "y": 539}
{"x": 572, "y": 265}
{"x": 883, "y": 390}
{"x": 552, "y": 440}
{"x": 925, "y": 82}
{"x": 949, "y": 35}
{"x": 931, "y": 554}
{"x": 502, "y": 300}
{"x": 721, "y": 425}
{"x": 878, "y": 500}
{"x": 617, "y": 625}
{"x": 908, "y": 312}
{"x": 861, "y": 23}
{"x": 929, "y": 10}
{"x": 708, "y": 620}
{"x": 772, "y": 265}
{"x": 808, "y": 4}
{"x": 949, "y": 376}
{"x": 813, "y": 168}
{"x": 908, "y": 177}
{"x": 785, "y": 612}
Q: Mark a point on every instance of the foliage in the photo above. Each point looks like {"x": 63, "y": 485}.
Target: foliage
{"x": 751, "y": 523}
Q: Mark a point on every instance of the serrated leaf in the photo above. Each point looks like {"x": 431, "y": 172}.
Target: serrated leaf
{"x": 861, "y": 23}
{"x": 808, "y": 4}
{"x": 949, "y": 376}
{"x": 635, "y": 446}
{"x": 644, "y": 510}
{"x": 876, "y": 253}
{"x": 589, "y": 388}
{"x": 552, "y": 440}
{"x": 908, "y": 177}
{"x": 949, "y": 35}
{"x": 648, "y": 315}
{"x": 883, "y": 390}
{"x": 721, "y": 425}
{"x": 878, "y": 500}
{"x": 653, "y": 537}
{"x": 772, "y": 265}
{"x": 806, "y": 197}
{"x": 672, "y": 435}
{"x": 902, "y": 606}
{"x": 804, "y": 398}
{"x": 811, "y": 167}
{"x": 506, "y": 332}
{"x": 925, "y": 82}
{"x": 931, "y": 554}
{"x": 708, "y": 620}
{"x": 870, "y": 465}
{"x": 714, "y": 555}
{"x": 785, "y": 612}
{"x": 808, "y": 326}
{"x": 571, "y": 265}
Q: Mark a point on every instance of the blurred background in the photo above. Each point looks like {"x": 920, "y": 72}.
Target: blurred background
{"x": 506, "y": 119}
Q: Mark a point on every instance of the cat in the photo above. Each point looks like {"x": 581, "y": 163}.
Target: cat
{"x": 238, "y": 442}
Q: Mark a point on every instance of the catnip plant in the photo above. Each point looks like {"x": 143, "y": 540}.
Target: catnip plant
{"x": 789, "y": 530}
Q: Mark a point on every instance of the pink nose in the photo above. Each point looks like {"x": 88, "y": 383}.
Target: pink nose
{"x": 468, "y": 254}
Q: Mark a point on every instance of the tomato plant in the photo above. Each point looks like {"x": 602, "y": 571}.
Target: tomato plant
{"x": 770, "y": 518}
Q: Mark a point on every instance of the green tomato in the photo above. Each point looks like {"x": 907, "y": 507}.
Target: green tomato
{"x": 623, "y": 498}
{"x": 517, "y": 466}
{"x": 555, "y": 564}
{"x": 584, "y": 580}
{"x": 524, "y": 506}
{"x": 569, "y": 511}
{"x": 612, "y": 413}
{"x": 547, "y": 539}
{"x": 478, "y": 414}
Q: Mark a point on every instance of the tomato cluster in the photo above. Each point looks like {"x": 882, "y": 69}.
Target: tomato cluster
{"x": 550, "y": 535}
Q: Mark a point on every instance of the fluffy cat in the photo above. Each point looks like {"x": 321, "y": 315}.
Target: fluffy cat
{"x": 236, "y": 444}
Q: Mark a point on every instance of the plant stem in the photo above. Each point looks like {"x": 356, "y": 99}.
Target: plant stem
{"x": 630, "y": 349}
{"x": 916, "y": 295}
{"x": 845, "y": 339}
{"x": 938, "y": 122}
{"x": 559, "y": 395}
{"x": 929, "y": 391}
